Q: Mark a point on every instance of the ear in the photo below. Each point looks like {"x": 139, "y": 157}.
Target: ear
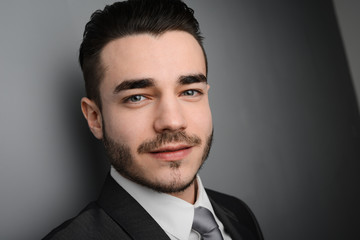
{"x": 93, "y": 116}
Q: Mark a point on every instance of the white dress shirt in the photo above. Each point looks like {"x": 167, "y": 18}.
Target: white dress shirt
{"x": 174, "y": 215}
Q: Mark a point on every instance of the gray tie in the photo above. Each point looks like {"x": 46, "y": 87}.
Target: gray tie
{"x": 205, "y": 224}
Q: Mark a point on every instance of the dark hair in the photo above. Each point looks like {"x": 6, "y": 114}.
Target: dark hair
{"x": 128, "y": 18}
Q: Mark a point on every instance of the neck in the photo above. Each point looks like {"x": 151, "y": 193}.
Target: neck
{"x": 189, "y": 194}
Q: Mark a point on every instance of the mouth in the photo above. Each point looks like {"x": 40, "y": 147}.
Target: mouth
{"x": 171, "y": 153}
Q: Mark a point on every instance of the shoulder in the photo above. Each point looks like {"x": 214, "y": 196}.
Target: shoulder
{"x": 91, "y": 223}
{"x": 235, "y": 207}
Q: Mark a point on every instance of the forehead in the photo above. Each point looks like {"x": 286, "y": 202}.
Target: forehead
{"x": 166, "y": 56}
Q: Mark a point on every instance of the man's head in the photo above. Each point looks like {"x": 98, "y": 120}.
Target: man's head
{"x": 128, "y": 18}
{"x": 145, "y": 71}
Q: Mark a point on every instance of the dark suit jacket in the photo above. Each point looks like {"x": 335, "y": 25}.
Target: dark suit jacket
{"x": 116, "y": 215}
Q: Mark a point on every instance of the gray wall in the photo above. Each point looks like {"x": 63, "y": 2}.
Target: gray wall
{"x": 284, "y": 108}
{"x": 348, "y": 16}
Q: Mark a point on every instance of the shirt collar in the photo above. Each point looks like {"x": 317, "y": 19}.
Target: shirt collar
{"x": 173, "y": 214}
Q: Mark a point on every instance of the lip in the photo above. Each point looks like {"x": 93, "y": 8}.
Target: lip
{"x": 171, "y": 153}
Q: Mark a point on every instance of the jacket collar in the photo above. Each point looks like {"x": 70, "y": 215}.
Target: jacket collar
{"x": 228, "y": 220}
{"x": 239, "y": 226}
{"x": 128, "y": 213}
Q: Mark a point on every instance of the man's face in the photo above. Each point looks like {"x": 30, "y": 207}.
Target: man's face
{"x": 156, "y": 119}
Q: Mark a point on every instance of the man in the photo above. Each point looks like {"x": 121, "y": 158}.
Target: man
{"x": 147, "y": 99}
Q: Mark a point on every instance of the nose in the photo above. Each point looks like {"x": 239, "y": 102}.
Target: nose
{"x": 169, "y": 116}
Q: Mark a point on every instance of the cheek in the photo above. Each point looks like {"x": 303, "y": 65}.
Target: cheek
{"x": 127, "y": 127}
{"x": 201, "y": 120}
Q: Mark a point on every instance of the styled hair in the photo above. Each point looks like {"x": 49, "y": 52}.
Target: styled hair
{"x": 129, "y": 18}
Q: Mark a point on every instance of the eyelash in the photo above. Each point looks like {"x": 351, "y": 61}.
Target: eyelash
{"x": 196, "y": 92}
{"x": 128, "y": 99}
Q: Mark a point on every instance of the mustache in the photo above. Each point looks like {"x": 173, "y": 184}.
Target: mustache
{"x": 168, "y": 137}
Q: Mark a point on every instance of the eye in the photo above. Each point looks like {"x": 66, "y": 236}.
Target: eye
{"x": 135, "y": 99}
{"x": 191, "y": 92}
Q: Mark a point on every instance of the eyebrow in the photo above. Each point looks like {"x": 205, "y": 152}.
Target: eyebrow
{"x": 133, "y": 84}
{"x": 189, "y": 79}
{"x": 149, "y": 82}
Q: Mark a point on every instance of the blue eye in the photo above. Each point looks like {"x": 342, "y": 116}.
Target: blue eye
{"x": 135, "y": 98}
{"x": 190, "y": 92}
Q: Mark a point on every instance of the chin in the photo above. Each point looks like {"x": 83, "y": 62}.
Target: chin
{"x": 171, "y": 181}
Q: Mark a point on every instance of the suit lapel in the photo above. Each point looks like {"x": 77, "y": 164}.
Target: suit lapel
{"x": 236, "y": 216}
{"x": 228, "y": 219}
{"x": 128, "y": 213}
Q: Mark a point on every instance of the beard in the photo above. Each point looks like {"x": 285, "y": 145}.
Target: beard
{"x": 123, "y": 161}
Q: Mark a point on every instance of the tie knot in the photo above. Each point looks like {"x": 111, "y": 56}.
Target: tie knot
{"x": 205, "y": 224}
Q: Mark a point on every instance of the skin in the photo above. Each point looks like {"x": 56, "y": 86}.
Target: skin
{"x": 134, "y": 116}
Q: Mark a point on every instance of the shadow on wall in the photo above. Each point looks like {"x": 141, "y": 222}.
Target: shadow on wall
{"x": 88, "y": 153}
